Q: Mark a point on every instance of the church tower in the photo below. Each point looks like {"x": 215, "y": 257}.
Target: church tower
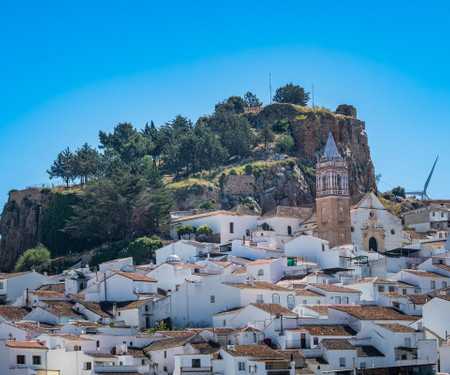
{"x": 332, "y": 196}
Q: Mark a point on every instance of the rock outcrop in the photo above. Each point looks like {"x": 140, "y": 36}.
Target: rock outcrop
{"x": 19, "y": 224}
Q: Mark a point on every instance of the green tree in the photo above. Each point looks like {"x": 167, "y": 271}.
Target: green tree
{"x": 152, "y": 133}
{"x": 267, "y": 134}
{"x": 37, "y": 258}
{"x": 399, "y": 192}
{"x": 284, "y": 143}
{"x": 233, "y": 104}
{"x": 251, "y": 100}
{"x": 203, "y": 231}
{"x": 291, "y": 93}
{"x": 63, "y": 166}
{"x": 86, "y": 163}
{"x": 141, "y": 249}
{"x": 185, "y": 230}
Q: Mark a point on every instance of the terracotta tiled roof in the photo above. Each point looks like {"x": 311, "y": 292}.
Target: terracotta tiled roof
{"x": 175, "y": 333}
{"x": 135, "y": 304}
{"x": 393, "y": 295}
{"x": 9, "y": 275}
{"x": 274, "y": 308}
{"x": 61, "y": 308}
{"x": 95, "y": 308}
{"x": 229, "y": 311}
{"x": 71, "y": 337}
{"x": 334, "y": 288}
{"x": 250, "y": 329}
{"x": 240, "y": 270}
{"x": 403, "y": 284}
{"x": 60, "y": 288}
{"x": 444, "y": 297}
{"x": 47, "y": 294}
{"x": 321, "y": 309}
{"x": 169, "y": 343}
{"x": 306, "y": 293}
{"x": 100, "y": 355}
{"x": 260, "y": 285}
{"x": 253, "y": 351}
{"x": 136, "y": 352}
{"x": 262, "y": 261}
{"x": 335, "y": 344}
{"x": 302, "y": 213}
{"x": 291, "y": 353}
{"x": 419, "y": 299}
{"x": 445, "y": 267}
{"x": 373, "y": 280}
{"x": 223, "y": 330}
{"x": 396, "y": 327}
{"x": 368, "y": 351}
{"x": 25, "y": 344}
{"x": 304, "y": 371}
{"x": 136, "y": 276}
{"x": 425, "y": 273}
{"x": 29, "y": 327}
{"x": 13, "y": 312}
{"x": 329, "y": 330}
{"x": 374, "y": 312}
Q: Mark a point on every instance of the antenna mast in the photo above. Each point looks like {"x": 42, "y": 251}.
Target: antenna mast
{"x": 312, "y": 92}
{"x": 270, "y": 87}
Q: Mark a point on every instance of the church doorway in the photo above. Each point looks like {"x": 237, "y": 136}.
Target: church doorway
{"x": 373, "y": 244}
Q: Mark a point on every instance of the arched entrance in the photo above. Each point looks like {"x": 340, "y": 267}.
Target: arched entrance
{"x": 373, "y": 244}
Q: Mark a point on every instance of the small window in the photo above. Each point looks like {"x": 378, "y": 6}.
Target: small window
{"x": 352, "y": 228}
{"x": 1, "y": 284}
{"x": 396, "y": 304}
{"x": 318, "y": 302}
{"x": 433, "y": 284}
{"x": 87, "y": 366}
{"x": 289, "y": 230}
{"x": 165, "y": 368}
{"x": 37, "y": 360}
{"x": 212, "y": 299}
{"x": 408, "y": 342}
{"x": 20, "y": 360}
{"x": 444, "y": 284}
{"x": 231, "y": 227}
{"x": 224, "y": 323}
{"x": 323, "y": 247}
{"x": 305, "y": 302}
{"x": 342, "y": 361}
{"x": 146, "y": 307}
{"x": 315, "y": 340}
{"x": 275, "y": 298}
{"x": 380, "y": 288}
{"x": 143, "y": 362}
{"x": 196, "y": 362}
{"x": 241, "y": 366}
{"x": 404, "y": 292}
{"x": 118, "y": 313}
{"x": 345, "y": 300}
{"x": 434, "y": 213}
{"x": 77, "y": 348}
{"x": 391, "y": 289}
{"x": 362, "y": 365}
{"x": 165, "y": 353}
{"x": 260, "y": 272}
{"x": 338, "y": 300}
{"x": 392, "y": 231}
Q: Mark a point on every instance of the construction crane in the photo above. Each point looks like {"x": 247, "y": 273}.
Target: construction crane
{"x": 423, "y": 193}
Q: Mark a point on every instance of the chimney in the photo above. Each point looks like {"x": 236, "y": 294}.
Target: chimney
{"x": 26, "y": 298}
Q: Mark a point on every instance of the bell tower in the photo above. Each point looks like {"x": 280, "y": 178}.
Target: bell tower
{"x": 332, "y": 196}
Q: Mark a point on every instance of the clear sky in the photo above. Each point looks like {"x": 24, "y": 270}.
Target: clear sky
{"x": 71, "y": 68}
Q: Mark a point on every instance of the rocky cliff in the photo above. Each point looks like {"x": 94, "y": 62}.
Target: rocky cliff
{"x": 19, "y": 224}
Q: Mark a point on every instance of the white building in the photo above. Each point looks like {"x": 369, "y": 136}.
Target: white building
{"x": 373, "y": 227}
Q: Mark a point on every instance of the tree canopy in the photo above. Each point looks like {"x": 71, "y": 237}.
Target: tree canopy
{"x": 251, "y": 100}
{"x": 37, "y": 258}
{"x": 291, "y": 93}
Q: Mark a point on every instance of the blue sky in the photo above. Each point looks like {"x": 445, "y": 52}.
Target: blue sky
{"x": 70, "y": 69}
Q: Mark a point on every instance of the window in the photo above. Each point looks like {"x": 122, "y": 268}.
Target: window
{"x": 259, "y": 298}
{"x": 392, "y": 231}
{"x": 444, "y": 284}
{"x": 290, "y": 301}
{"x": 305, "y": 302}
{"x": 231, "y": 227}
{"x": 342, "y": 361}
{"x": 362, "y": 365}
{"x": 1, "y": 284}
{"x": 396, "y": 304}
{"x": 224, "y": 323}
{"x": 323, "y": 247}
{"x": 118, "y": 314}
{"x": 315, "y": 340}
{"x": 87, "y": 365}
{"x": 146, "y": 307}
{"x": 196, "y": 362}
{"x": 77, "y": 348}
{"x": 165, "y": 353}
{"x": 380, "y": 288}
{"x": 275, "y": 298}
{"x": 260, "y": 272}
{"x": 143, "y": 362}
{"x": 289, "y": 230}
{"x": 20, "y": 360}
{"x": 434, "y": 213}
{"x": 318, "y": 301}
{"x": 37, "y": 360}
{"x": 433, "y": 284}
{"x": 417, "y": 290}
{"x": 344, "y": 300}
{"x": 212, "y": 299}
{"x": 391, "y": 289}
{"x": 404, "y": 292}
{"x": 408, "y": 342}
{"x": 337, "y": 300}
{"x": 241, "y": 366}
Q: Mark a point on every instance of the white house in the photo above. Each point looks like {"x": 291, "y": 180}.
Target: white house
{"x": 435, "y": 318}
{"x": 335, "y": 294}
{"x": 253, "y": 250}
{"x": 186, "y": 250}
{"x": 22, "y": 357}
{"x": 171, "y": 274}
{"x": 270, "y": 270}
{"x": 371, "y": 286}
{"x": 373, "y": 227}
{"x": 12, "y": 285}
{"x": 425, "y": 280}
{"x": 136, "y": 313}
{"x": 228, "y": 225}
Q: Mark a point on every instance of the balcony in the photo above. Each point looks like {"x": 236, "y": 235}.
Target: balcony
{"x": 206, "y": 370}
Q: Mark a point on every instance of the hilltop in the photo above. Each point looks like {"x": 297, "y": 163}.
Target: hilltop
{"x": 267, "y": 158}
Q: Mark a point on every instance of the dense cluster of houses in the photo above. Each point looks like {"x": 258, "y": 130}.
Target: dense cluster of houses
{"x": 331, "y": 289}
